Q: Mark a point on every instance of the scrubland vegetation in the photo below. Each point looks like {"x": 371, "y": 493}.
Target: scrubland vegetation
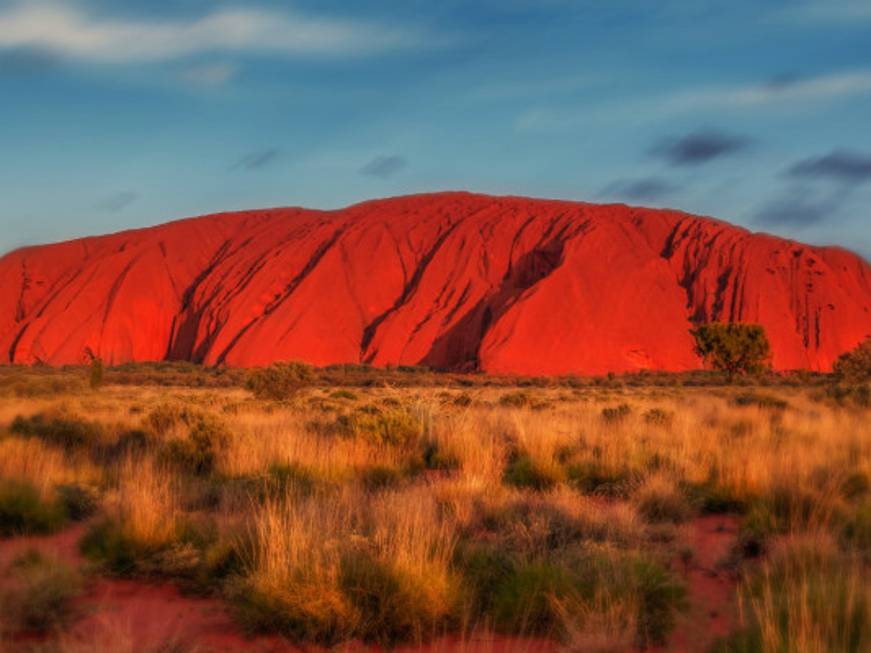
{"x": 402, "y": 506}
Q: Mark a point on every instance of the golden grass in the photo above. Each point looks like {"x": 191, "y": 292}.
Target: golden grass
{"x": 326, "y": 554}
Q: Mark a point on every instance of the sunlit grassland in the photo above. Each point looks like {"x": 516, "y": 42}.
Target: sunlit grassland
{"x": 395, "y": 514}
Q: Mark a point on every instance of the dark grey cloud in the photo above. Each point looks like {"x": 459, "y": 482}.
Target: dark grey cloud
{"x": 117, "y": 201}
{"x": 699, "y": 147}
{"x": 384, "y": 166}
{"x": 26, "y": 62}
{"x": 838, "y": 165}
{"x": 257, "y": 160}
{"x": 799, "y": 208}
{"x": 642, "y": 189}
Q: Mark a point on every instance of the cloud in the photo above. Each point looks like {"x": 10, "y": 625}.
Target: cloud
{"x": 797, "y": 209}
{"x": 209, "y": 74}
{"x": 838, "y": 165}
{"x": 257, "y": 160}
{"x": 26, "y": 62}
{"x": 815, "y": 11}
{"x": 69, "y": 31}
{"x": 699, "y": 147}
{"x": 117, "y": 201}
{"x": 641, "y": 189}
{"x": 780, "y": 90}
{"x": 384, "y": 166}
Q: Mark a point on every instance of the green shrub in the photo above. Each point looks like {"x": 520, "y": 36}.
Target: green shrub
{"x": 59, "y": 430}
{"x": 658, "y": 417}
{"x": 660, "y": 502}
{"x": 616, "y": 413}
{"x": 808, "y": 598}
{"x": 524, "y": 600}
{"x": 78, "y": 501}
{"x": 38, "y": 593}
{"x": 517, "y": 399}
{"x": 22, "y": 511}
{"x": 380, "y": 477}
{"x": 436, "y": 458}
{"x": 196, "y": 454}
{"x": 760, "y": 400}
{"x": 95, "y": 373}
{"x": 343, "y": 394}
{"x": 280, "y": 381}
{"x": 661, "y": 595}
{"x": 393, "y": 606}
{"x": 523, "y": 472}
{"x": 855, "y": 366}
{"x": 106, "y": 543}
{"x": 733, "y": 348}
{"x": 593, "y": 478}
{"x": 392, "y": 427}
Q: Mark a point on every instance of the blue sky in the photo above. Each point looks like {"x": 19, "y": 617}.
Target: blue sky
{"x": 126, "y": 113}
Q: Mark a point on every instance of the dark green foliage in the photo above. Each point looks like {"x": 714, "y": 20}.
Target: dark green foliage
{"x": 661, "y": 595}
{"x": 616, "y": 413}
{"x": 855, "y": 366}
{"x": 380, "y": 477}
{"x": 855, "y": 486}
{"x": 733, "y": 348}
{"x": 343, "y": 394}
{"x": 22, "y": 511}
{"x": 592, "y": 478}
{"x": 524, "y": 600}
{"x": 517, "y": 399}
{"x": 95, "y": 373}
{"x": 392, "y": 426}
{"x": 106, "y": 543}
{"x": 523, "y": 472}
{"x": 658, "y": 417}
{"x": 196, "y": 454}
{"x": 78, "y": 501}
{"x": 435, "y": 458}
{"x": 280, "y": 381}
{"x": 59, "y": 430}
{"x": 38, "y": 593}
{"x": 760, "y": 400}
{"x": 293, "y": 478}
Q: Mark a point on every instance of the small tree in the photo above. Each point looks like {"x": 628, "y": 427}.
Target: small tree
{"x": 733, "y": 348}
{"x": 280, "y": 380}
{"x": 855, "y": 366}
{"x": 95, "y": 376}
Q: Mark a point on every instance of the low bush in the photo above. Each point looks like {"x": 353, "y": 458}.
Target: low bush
{"x": 760, "y": 400}
{"x": 59, "y": 430}
{"x": 616, "y": 413}
{"x": 23, "y": 511}
{"x": 808, "y": 597}
{"x": 594, "y": 478}
{"x": 658, "y": 417}
{"x": 659, "y": 500}
{"x": 38, "y": 592}
{"x": 523, "y": 471}
{"x": 518, "y": 399}
{"x": 197, "y": 453}
{"x": 280, "y": 381}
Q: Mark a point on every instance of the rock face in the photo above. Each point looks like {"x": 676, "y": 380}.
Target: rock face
{"x": 453, "y": 281}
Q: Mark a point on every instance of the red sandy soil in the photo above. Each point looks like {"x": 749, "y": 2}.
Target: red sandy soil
{"x": 452, "y": 280}
{"x": 129, "y": 616}
{"x": 710, "y": 588}
{"x": 133, "y": 616}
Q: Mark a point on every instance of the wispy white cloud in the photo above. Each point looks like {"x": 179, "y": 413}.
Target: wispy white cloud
{"x": 814, "y": 11}
{"x": 771, "y": 95}
{"x": 207, "y": 75}
{"x": 72, "y": 32}
{"x": 822, "y": 87}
